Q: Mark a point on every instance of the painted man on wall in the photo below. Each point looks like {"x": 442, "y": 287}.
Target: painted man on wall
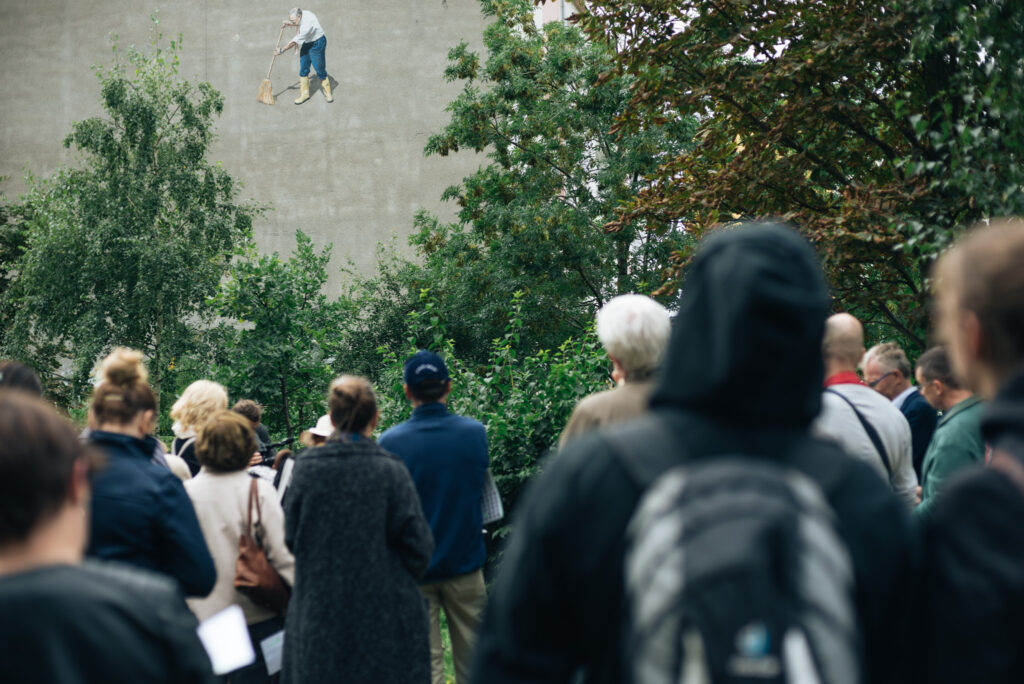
{"x": 312, "y": 43}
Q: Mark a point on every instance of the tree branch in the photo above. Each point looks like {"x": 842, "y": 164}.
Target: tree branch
{"x": 590, "y": 286}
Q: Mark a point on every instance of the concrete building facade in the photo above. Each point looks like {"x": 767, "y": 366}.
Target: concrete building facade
{"x": 351, "y": 173}
{"x": 554, "y": 10}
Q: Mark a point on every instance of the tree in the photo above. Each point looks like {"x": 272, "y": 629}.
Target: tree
{"x": 880, "y": 127}
{"x": 531, "y": 219}
{"x": 13, "y": 235}
{"x": 126, "y": 247}
{"x": 283, "y": 335}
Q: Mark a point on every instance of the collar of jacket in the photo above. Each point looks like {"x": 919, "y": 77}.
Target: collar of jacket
{"x": 340, "y": 436}
{"x": 434, "y": 408}
{"x": 959, "y": 408}
{"x": 843, "y": 378}
{"x": 124, "y": 443}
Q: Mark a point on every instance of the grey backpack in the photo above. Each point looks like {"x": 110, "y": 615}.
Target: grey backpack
{"x": 734, "y": 572}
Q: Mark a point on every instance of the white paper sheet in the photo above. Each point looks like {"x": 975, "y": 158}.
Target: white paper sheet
{"x": 226, "y": 640}
{"x": 273, "y": 649}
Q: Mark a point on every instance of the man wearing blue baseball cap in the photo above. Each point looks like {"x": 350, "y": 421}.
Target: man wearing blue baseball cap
{"x": 447, "y": 457}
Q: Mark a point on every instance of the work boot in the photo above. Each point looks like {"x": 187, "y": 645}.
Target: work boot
{"x": 303, "y": 89}
{"x": 325, "y": 85}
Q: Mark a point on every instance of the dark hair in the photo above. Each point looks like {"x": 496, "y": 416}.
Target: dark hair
{"x": 429, "y": 391}
{"x": 248, "y": 408}
{"x": 226, "y": 442}
{"x": 280, "y": 458}
{"x": 123, "y": 391}
{"x": 934, "y": 365}
{"x": 37, "y": 458}
{"x": 351, "y": 403}
{"x": 17, "y": 375}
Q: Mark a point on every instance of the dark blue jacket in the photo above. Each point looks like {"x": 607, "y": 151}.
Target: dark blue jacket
{"x": 142, "y": 516}
{"x": 923, "y": 419}
{"x": 446, "y": 455}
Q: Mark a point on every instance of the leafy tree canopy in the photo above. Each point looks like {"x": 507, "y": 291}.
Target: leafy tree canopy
{"x": 532, "y": 219}
{"x": 881, "y": 127}
{"x": 125, "y": 247}
{"x": 282, "y": 335}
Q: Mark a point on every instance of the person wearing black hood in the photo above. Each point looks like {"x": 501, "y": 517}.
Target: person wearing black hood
{"x": 972, "y": 622}
{"x": 742, "y": 375}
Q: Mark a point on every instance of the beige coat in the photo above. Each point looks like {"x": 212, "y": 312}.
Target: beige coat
{"x": 618, "y": 405}
{"x": 221, "y": 501}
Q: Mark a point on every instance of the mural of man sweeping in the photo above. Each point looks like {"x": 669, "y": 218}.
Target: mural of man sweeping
{"x": 312, "y": 42}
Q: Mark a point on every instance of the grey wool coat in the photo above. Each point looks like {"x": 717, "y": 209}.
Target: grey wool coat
{"x": 355, "y": 524}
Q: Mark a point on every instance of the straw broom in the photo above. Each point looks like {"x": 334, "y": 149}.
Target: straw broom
{"x": 266, "y": 94}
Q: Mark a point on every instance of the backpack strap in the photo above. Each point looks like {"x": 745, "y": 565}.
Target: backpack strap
{"x": 646, "y": 448}
{"x": 183, "y": 446}
{"x": 870, "y": 429}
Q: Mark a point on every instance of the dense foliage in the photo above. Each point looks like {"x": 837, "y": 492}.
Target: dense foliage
{"x": 881, "y": 127}
{"x": 532, "y": 218}
{"x": 523, "y": 399}
{"x": 13, "y": 236}
{"x": 280, "y": 340}
{"x": 126, "y": 247}
{"x": 609, "y": 147}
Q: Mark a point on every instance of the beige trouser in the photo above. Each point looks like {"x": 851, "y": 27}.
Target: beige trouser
{"x": 462, "y": 599}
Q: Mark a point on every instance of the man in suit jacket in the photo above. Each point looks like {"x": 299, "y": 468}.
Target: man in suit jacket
{"x": 887, "y": 370}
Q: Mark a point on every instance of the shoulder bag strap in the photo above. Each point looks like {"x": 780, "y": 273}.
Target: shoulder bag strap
{"x": 870, "y": 429}
{"x": 184, "y": 445}
{"x": 253, "y": 498}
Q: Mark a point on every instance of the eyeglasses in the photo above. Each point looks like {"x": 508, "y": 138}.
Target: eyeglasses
{"x": 880, "y": 378}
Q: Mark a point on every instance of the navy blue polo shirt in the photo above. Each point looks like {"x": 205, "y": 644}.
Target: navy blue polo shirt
{"x": 446, "y": 454}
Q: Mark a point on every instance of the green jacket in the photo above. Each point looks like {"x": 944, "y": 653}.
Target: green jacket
{"x": 957, "y": 442}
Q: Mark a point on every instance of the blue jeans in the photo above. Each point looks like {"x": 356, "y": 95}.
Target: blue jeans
{"x": 313, "y": 52}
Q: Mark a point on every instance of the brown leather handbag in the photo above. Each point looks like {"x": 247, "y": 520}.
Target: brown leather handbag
{"x": 254, "y": 575}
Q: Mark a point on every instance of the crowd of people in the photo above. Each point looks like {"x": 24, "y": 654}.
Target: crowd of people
{"x": 759, "y": 497}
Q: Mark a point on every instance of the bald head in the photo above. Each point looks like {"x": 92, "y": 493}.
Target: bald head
{"x": 843, "y": 344}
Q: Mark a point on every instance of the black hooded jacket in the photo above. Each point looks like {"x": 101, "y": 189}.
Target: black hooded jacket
{"x": 972, "y": 628}
{"x": 742, "y": 375}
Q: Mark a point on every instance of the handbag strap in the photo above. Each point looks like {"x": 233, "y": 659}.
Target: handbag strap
{"x": 870, "y": 429}
{"x": 253, "y": 497}
{"x": 183, "y": 446}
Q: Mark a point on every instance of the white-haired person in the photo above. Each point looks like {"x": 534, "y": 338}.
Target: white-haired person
{"x": 311, "y": 41}
{"x": 197, "y": 403}
{"x": 634, "y": 332}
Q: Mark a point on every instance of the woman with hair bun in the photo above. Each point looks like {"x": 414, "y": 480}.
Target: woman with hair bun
{"x": 199, "y": 401}
{"x": 356, "y": 527}
{"x": 141, "y": 514}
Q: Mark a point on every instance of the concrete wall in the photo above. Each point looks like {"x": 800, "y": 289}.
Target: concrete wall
{"x": 351, "y": 173}
{"x": 554, "y": 10}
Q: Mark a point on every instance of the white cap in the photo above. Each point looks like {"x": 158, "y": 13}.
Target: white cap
{"x": 324, "y": 427}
